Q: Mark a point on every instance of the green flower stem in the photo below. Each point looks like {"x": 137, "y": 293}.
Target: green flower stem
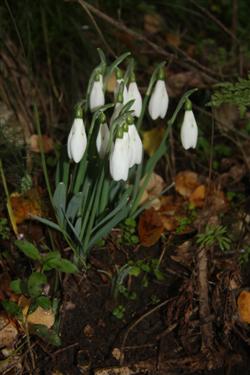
{"x": 43, "y": 161}
{"x": 94, "y": 210}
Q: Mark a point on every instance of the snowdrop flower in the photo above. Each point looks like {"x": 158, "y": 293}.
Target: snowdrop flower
{"x": 134, "y": 94}
{"x": 118, "y": 161}
{"x": 118, "y": 107}
{"x": 119, "y": 80}
{"x": 189, "y": 128}
{"x": 102, "y": 139}
{"x": 96, "y": 97}
{"x": 158, "y": 103}
{"x": 135, "y": 143}
{"x": 77, "y": 140}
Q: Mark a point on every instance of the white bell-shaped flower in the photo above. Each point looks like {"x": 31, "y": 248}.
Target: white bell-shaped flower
{"x": 134, "y": 94}
{"x": 96, "y": 97}
{"x": 77, "y": 140}
{"x": 189, "y": 130}
{"x": 118, "y": 161}
{"x": 102, "y": 140}
{"x": 125, "y": 90}
{"x": 158, "y": 103}
{"x": 135, "y": 143}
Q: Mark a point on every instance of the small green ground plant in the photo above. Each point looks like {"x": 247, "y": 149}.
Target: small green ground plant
{"x": 146, "y": 270}
{"x": 47, "y": 266}
{"x": 215, "y": 235}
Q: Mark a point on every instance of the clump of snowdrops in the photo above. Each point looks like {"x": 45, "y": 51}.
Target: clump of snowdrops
{"x": 101, "y": 177}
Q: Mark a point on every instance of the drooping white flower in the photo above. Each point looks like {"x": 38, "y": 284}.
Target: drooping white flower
{"x": 125, "y": 90}
{"x": 102, "y": 139}
{"x": 135, "y": 146}
{"x": 158, "y": 103}
{"x": 189, "y": 130}
{"x": 134, "y": 94}
{"x": 96, "y": 97}
{"x": 118, "y": 160}
{"x": 77, "y": 140}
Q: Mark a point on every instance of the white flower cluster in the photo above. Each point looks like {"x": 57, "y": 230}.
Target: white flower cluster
{"x": 126, "y": 150}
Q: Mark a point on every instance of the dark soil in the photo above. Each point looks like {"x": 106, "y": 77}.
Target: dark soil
{"x": 92, "y": 338}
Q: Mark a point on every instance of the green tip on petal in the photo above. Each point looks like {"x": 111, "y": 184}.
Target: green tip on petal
{"x": 188, "y": 105}
{"x": 125, "y": 127}
{"x": 161, "y": 75}
{"x": 132, "y": 77}
{"x": 119, "y": 133}
{"x": 119, "y": 98}
{"x": 129, "y": 120}
{"x": 102, "y": 118}
{"x": 79, "y": 112}
{"x": 118, "y": 73}
{"x": 97, "y": 76}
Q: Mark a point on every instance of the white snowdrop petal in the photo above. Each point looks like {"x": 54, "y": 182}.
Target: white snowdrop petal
{"x": 78, "y": 140}
{"x": 102, "y": 140}
{"x": 135, "y": 146}
{"x": 158, "y": 103}
{"x": 189, "y": 131}
{"x": 118, "y": 161}
{"x": 134, "y": 94}
{"x": 68, "y": 144}
{"x": 96, "y": 98}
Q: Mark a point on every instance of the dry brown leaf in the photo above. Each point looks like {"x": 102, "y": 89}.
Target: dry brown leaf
{"x": 88, "y": 331}
{"x": 26, "y": 204}
{"x": 152, "y": 191}
{"x": 8, "y": 332}
{"x": 173, "y": 39}
{"x": 111, "y": 83}
{"x": 153, "y": 23}
{"x": 186, "y": 182}
{"x": 170, "y": 223}
{"x": 150, "y": 227}
{"x": 152, "y": 140}
{"x": 244, "y": 306}
{"x": 114, "y": 371}
{"x": 197, "y": 197}
{"x": 47, "y": 143}
{"x": 39, "y": 316}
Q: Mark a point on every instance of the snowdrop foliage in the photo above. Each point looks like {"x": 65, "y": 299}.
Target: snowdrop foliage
{"x": 189, "y": 128}
{"x": 96, "y": 98}
{"x": 77, "y": 140}
{"x": 88, "y": 202}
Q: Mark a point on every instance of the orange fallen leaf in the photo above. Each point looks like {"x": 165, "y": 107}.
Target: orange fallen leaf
{"x": 8, "y": 332}
{"x": 39, "y": 316}
{"x": 152, "y": 191}
{"x": 173, "y": 39}
{"x": 186, "y": 182}
{"x": 47, "y": 143}
{"x": 26, "y": 204}
{"x": 244, "y": 306}
{"x": 152, "y": 140}
{"x": 150, "y": 227}
{"x": 197, "y": 197}
{"x": 153, "y": 23}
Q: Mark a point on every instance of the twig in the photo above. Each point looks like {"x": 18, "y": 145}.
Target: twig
{"x": 133, "y": 325}
{"x": 216, "y": 21}
{"x": 204, "y": 310}
{"x": 211, "y": 75}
